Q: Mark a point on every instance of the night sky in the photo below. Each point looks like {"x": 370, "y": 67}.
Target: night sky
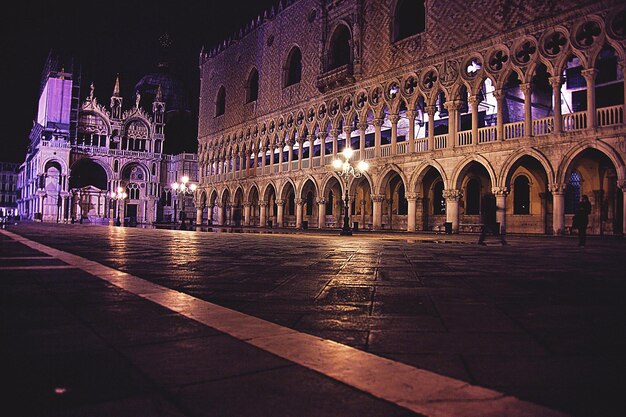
{"x": 106, "y": 38}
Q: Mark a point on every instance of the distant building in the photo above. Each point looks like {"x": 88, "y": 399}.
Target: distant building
{"x": 446, "y": 100}
{"x": 8, "y": 188}
{"x": 80, "y": 152}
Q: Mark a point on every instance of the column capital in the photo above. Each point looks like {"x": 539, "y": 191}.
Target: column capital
{"x": 347, "y": 130}
{"x": 246, "y": 204}
{"x": 412, "y": 196}
{"x": 452, "y": 105}
{"x": 500, "y": 191}
{"x": 335, "y": 132}
{"x": 589, "y": 74}
{"x": 363, "y": 126}
{"x": 473, "y": 99}
{"x": 431, "y": 110}
{"x": 378, "y": 122}
{"x": 499, "y": 94}
{"x": 622, "y": 185}
{"x": 556, "y": 81}
{"x": 557, "y": 188}
{"x": 526, "y": 88}
{"x": 411, "y": 114}
{"x": 452, "y": 194}
{"x": 378, "y": 198}
{"x": 320, "y": 201}
{"x": 280, "y": 202}
{"x": 393, "y": 118}
{"x": 300, "y": 201}
{"x": 262, "y": 203}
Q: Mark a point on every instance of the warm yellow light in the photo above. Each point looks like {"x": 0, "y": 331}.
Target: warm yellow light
{"x": 337, "y": 164}
{"x": 347, "y": 152}
{"x": 119, "y": 190}
{"x": 112, "y": 194}
{"x": 363, "y": 166}
{"x": 174, "y": 186}
{"x": 124, "y": 195}
{"x": 185, "y": 179}
{"x": 193, "y": 187}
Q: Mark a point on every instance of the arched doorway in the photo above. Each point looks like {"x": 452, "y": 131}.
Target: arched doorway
{"x": 89, "y": 188}
{"x": 433, "y": 207}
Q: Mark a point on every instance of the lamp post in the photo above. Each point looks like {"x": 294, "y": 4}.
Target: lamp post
{"x": 184, "y": 190}
{"x": 118, "y": 196}
{"x": 346, "y": 171}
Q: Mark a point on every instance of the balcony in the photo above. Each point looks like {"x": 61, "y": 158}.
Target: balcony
{"x": 335, "y": 78}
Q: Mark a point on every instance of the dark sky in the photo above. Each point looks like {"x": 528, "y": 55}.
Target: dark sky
{"x": 107, "y": 38}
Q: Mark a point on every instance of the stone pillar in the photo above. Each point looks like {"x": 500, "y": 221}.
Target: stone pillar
{"x": 311, "y": 149}
{"x": 622, "y": 186}
{"x": 377, "y": 215}
{"x": 347, "y": 131}
{"x": 555, "y": 82}
{"x": 61, "y": 217}
{"x": 263, "y": 155}
{"x": 220, "y": 214}
{"x": 378, "y": 123}
{"x": 300, "y": 153}
{"x": 321, "y": 212}
{"x": 299, "y": 207}
{"x": 623, "y": 67}
{"x": 263, "y": 213}
{"x": 362, "y": 129}
{"x": 558, "y": 208}
{"x": 280, "y": 204}
{"x": 335, "y": 135}
{"x": 501, "y": 194}
{"x": 246, "y": 214}
{"x": 322, "y": 137}
{"x": 272, "y": 155}
{"x": 249, "y": 171}
{"x": 363, "y": 214}
{"x": 453, "y": 115}
{"x": 210, "y": 214}
{"x": 394, "y": 118}
{"x": 590, "y": 78}
{"x": 199, "y": 217}
{"x": 290, "y": 156}
{"x": 452, "y": 197}
{"x": 281, "y": 147}
{"x": 473, "y": 101}
{"x": 411, "y": 198}
{"x": 411, "y": 114}
{"x": 431, "y": 126}
{"x": 499, "y": 95}
{"x": 528, "y": 115}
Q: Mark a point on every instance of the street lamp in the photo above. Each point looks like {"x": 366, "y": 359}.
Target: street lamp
{"x": 346, "y": 171}
{"x": 183, "y": 189}
{"x": 118, "y": 196}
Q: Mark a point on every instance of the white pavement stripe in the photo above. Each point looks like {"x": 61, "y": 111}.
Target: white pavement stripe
{"x": 416, "y": 389}
{"x": 35, "y": 267}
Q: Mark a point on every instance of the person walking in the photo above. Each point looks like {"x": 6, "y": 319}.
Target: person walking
{"x": 488, "y": 215}
{"x": 581, "y": 220}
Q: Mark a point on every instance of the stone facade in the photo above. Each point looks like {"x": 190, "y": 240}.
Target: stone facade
{"x": 524, "y": 100}
{"x": 79, "y": 155}
{"x": 8, "y": 188}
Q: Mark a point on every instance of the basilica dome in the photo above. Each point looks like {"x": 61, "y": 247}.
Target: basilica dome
{"x": 173, "y": 90}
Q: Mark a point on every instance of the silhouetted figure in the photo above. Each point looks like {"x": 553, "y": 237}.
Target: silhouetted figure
{"x": 488, "y": 214}
{"x": 581, "y": 220}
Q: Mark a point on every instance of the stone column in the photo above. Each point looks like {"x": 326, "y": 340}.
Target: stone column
{"x": 322, "y": 137}
{"x": 210, "y": 214}
{"x": 246, "y": 214}
{"x": 290, "y": 156}
{"x": 499, "y": 95}
{"x": 199, "y": 217}
{"x": 263, "y": 156}
{"x": 362, "y": 129}
{"x": 321, "y": 212}
{"x": 590, "y": 78}
{"x": 272, "y": 155}
{"x": 281, "y": 147}
{"x": 555, "y": 82}
{"x": 299, "y": 207}
{"x": 279, "y": 214}
{"x": 377, "y": 215}
{"x": 452, "y": 197}
{"x": 61, "y": 217}
{"x": 220, "y": 214}
{"x": 473, "y": 101}
{"x": 311, "y": 149}
{"x": 528, "y": 115}
{"x": 622, "y": 186}
{"x": 377, "y": 136}
{"x": 558, "y": 208}
{"x": 262, "y": 213}
{"x": 453, "y": 116}
{"x": 411, "y": 198}
{"x": 501, "y": 194}
{"x": 394, "y": 118}
{"x": 300, "y": 153}
{"x": 335, "y": 135}
{"x": 410, "y": 114}
{"x": 431, "y": 110}
{"x": 623, "y": 67}
{"x": 363, "y": 214}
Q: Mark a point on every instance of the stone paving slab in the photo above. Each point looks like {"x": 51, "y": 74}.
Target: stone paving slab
{"x": 508, "y": 318}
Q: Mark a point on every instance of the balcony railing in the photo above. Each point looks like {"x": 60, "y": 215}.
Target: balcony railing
{"x": 421, "y": 145}
{"x": 514, "y": 130}
{"x": 487, "y": 134}
{"x": 464, "y": 138}
{"x": 574, "y": 121}
{"x": 543, "y": 126}
{"x": 441, "y": 141}
{"x": 610, "y": 116}
{"x": 385, "y": 150}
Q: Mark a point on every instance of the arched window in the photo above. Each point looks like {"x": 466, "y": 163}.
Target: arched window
{"x": 521, "y": 195}
{"x": 220, "y": 102}
{"x": 472, "y": 197}
{"x": 339, "y": 48}
{"x": 409, "y": 19}
{"x": 133, "y": 191}
{"x": 439, "y": 203}
{"x": 153, "y": 169}
{"x": 116, "y": 165}
{"x": 293, "y": 68}
{"x": 252, "y": 86}
{"x": 572, "y": 193}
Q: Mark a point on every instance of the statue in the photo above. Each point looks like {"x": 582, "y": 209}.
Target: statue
{"x": 137, "y": 99}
